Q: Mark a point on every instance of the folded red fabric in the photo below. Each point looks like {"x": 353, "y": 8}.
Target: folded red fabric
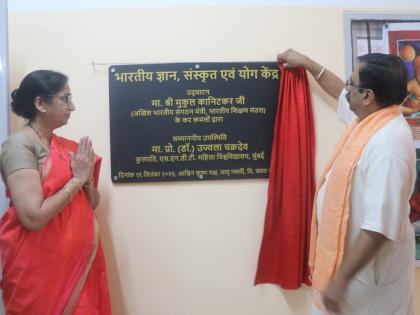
{"x": 284, "y": 252}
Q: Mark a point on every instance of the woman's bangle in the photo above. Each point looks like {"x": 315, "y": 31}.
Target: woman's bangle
{"x": 68, "y": 193}
{"x": 320, "y": 73}
{"x": 89, "y": 183}
{"x": 77, "y": 183}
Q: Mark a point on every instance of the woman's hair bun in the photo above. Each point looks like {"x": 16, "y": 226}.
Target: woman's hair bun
{"x": 14, "y": 94}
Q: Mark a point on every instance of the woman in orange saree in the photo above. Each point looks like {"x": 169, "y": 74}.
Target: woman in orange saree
{"x": 51, "y": 255}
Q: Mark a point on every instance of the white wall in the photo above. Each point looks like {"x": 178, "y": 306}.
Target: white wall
{"x": 70, "y": 5}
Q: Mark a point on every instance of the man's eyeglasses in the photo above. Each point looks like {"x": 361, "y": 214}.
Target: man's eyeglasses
{"x": 65, "y": 98}
{"x": 350, "y": 83}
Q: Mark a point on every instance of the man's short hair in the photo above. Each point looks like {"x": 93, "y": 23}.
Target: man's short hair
{"x": 385, "y": 75}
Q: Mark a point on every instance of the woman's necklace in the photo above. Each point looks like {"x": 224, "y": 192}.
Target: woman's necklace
{"x": 59, "y": 150}
{"x": 43, "y": 140}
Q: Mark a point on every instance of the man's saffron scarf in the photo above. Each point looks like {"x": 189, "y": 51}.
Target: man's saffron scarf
{"x": 284, "y": 252}
{"x": 42, "y": 268}
{"x": 328, "y": 239}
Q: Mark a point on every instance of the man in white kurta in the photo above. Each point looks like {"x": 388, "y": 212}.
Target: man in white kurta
{"x": 379, "y": 203}
{"x": 383, "y": 182}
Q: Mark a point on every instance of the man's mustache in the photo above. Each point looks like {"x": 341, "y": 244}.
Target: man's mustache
{"x": 348, "y": 96}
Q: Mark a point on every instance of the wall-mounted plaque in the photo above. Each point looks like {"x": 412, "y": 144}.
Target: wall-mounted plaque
{"x": 192, "y": 121}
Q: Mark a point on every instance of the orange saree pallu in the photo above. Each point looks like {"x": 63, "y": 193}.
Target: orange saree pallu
{"x": 284, "y": 252}
{"x": 41, "y": 268}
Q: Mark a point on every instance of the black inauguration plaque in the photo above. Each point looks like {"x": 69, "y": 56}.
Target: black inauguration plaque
{"x": 192, "y": 121}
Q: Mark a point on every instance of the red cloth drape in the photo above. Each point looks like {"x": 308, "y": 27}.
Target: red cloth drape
{"x": 42, "y": 268}
{"x": 284, "y": 252}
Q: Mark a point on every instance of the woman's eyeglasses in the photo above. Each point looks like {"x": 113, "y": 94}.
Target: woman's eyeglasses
{"x": 65, "y": 98}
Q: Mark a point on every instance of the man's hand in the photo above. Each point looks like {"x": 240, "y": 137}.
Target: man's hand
{"x": 293, "y": 59}
{"x": 365, "y": 248}
{"x": 334, "y": 295}
{"x": 328, "y": 81}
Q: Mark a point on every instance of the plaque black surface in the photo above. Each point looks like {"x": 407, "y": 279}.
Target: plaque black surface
{"x": 155, "y": 141}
